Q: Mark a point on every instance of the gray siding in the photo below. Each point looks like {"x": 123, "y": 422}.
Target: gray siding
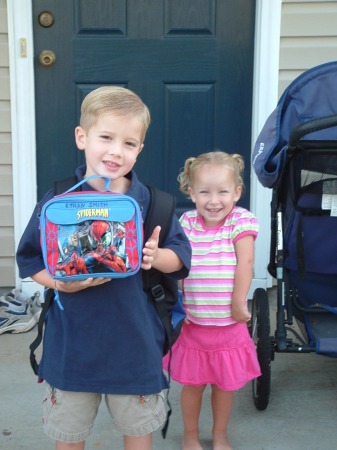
{"x": 6, "y": 185}
{"x": 308, "y": 37}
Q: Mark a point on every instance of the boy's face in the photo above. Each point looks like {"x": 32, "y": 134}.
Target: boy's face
{"x": 111, "y": 146}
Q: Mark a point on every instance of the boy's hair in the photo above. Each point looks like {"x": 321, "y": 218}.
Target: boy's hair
{"x": 192, "y": 165}
{"x": 116, "y": 100}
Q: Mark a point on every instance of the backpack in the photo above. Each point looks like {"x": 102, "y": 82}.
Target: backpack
{"x": 163, "y": 289}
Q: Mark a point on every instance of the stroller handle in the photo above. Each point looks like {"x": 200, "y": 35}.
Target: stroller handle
{"x": 311, "y": 126}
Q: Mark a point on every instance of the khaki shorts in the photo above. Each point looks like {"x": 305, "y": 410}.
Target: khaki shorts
{"x": 69, "y": 416}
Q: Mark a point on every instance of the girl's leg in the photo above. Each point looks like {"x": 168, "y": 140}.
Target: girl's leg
{"x": 191, "y": 399}
{"x": 222, "y": 402}
{"x": 64, "y": 446}
{"x": 138, "y": 442}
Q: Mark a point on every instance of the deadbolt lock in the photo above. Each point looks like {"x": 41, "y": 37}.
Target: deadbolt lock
{"x": 46, "y": 19}
{"x": 47, "y": 58}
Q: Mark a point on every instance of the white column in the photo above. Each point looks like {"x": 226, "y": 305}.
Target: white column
{"x": 21, "y": 64}
{"x": 265, "y": 97}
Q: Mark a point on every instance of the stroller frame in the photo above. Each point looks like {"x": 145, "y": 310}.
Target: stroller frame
{"x": 289, "y": 304}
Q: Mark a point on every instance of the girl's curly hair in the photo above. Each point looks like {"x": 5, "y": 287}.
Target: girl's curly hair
{"x": 233, "y": 161}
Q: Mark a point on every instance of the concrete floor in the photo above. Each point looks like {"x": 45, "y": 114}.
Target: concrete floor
{"x": 301, "y": 413}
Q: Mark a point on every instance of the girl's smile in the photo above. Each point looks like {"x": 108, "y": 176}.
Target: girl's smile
{"x": 214, "y": 193}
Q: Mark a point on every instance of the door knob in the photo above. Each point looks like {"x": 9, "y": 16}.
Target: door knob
{"x": 47, "y": 58}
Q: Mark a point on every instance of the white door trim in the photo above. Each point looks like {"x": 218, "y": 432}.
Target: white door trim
{"x": 265, "y": 94}
{"x": 20, "y": 26}
{"x": 265, "y": 97}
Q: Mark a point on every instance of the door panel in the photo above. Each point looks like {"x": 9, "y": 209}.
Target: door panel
{"x": 191, "y": 62}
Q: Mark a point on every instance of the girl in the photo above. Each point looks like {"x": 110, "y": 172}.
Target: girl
{"x": 215, "y": 346}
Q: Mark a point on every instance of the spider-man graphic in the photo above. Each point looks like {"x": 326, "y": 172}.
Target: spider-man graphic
{"x": 74, "y": 267}
{"x": 103, "y": 255}
{"x": 100, "y": 238}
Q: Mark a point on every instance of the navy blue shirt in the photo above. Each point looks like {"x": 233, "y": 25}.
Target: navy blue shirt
{"x": 109, "y": 338}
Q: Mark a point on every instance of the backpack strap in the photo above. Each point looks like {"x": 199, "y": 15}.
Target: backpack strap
{"x": 161, "y": 211}
{"x": 61, "y": 186}
{"x": 49, "y": 297}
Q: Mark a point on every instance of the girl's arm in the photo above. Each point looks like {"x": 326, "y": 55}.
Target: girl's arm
{"x": 244, "y": 249}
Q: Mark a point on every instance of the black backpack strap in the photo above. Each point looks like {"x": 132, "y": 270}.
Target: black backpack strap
{"x": 161, "y": 211}
{"x": 60, "y": 186}
{"x": 34, "y": 345}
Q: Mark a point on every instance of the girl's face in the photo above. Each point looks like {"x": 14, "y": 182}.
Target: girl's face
{"x": 214, "y": 193}
{"x": 111, "y": 146}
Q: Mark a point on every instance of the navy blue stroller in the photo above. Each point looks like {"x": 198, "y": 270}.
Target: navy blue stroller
{"x": 296, "y": 156}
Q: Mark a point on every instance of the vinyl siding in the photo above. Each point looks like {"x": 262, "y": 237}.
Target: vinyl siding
{"x": 6, "y": 185}
{"x": 308, "y": 37}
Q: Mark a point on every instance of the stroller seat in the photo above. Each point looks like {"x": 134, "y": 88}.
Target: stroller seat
{"x": 309, "y": 191}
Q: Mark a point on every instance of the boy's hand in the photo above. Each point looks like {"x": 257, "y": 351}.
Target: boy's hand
{"x": 46, "y": 280}
{"x": 150, "y": 250}
{"x": 74, "y": 286}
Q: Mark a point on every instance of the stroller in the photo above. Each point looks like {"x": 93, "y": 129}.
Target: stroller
{"x": 296, "y": 155}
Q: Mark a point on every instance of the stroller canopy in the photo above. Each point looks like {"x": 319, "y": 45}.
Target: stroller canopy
{"x": 312, "y": 95}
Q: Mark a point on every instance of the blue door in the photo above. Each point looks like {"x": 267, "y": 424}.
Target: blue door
{"x": 190, "y": 61}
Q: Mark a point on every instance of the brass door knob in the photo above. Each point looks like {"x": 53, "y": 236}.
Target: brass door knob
{"x": 47, "y": 58}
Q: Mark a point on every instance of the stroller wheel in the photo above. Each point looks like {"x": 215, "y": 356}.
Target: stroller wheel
{"x": 260, "y": 330}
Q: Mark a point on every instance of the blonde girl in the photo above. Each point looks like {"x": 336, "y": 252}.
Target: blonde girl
{"x": 215, "y": 347}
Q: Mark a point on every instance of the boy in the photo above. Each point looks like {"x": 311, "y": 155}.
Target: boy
{"x": 108, "y": 339}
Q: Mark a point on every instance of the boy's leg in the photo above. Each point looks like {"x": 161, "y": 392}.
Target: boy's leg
{"x": 190, "y": 400}
{"x": 137, "y": 442}
{"x": 68, "y": 417}
{"x": 222, "y": 402}
{"x": 136, "y": 417}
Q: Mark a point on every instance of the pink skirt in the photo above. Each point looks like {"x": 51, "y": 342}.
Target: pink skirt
{"x": 224, "y": 356}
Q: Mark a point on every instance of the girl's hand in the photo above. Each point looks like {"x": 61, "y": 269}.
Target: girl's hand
{"x": 240, "y": 312}
{"x": 150, "y": 250}
{"x": 74, "y": 286}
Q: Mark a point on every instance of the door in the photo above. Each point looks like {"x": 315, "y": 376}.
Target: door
{"x": 190, "y": 61}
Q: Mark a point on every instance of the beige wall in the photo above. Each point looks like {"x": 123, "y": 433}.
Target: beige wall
{"x": 308, "y": 37}
{"x": 6, "y": 189}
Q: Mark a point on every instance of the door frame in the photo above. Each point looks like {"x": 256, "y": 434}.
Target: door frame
{"x": 265, "y": 96}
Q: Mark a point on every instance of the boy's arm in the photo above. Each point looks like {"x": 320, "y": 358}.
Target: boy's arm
{"x": 163, "y": 259}
{"x": 46, "y": 280}
{"x": 167, "y": 261}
